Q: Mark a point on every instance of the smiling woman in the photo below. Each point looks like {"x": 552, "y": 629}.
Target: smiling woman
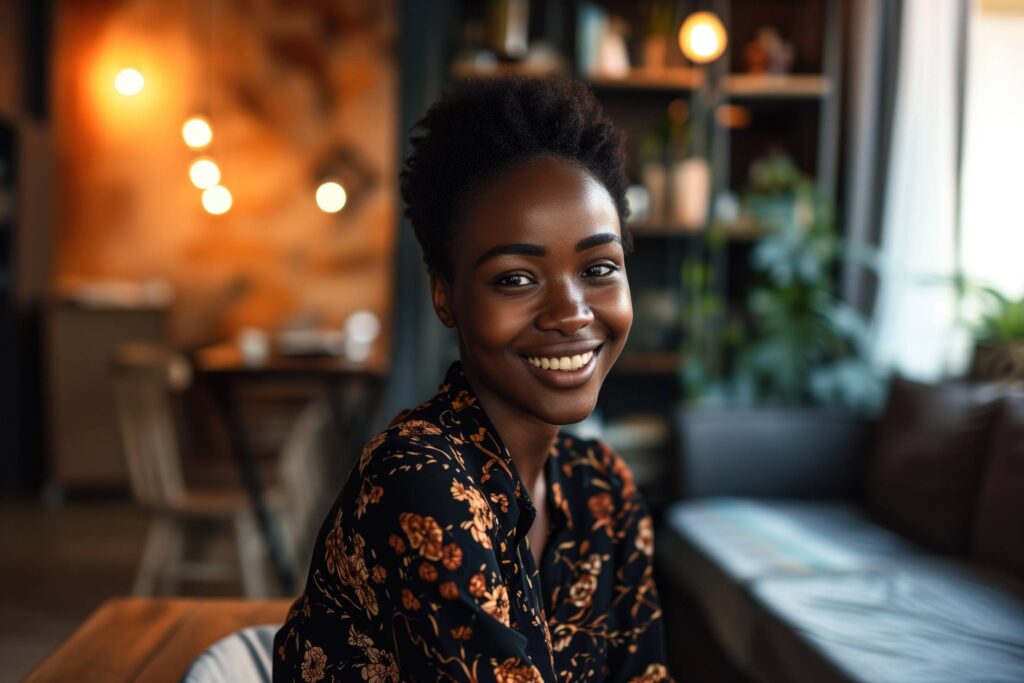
{"x": 475, "y": 540}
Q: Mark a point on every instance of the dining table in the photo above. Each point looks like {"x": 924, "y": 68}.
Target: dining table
{"x": 352, "y": 390}
{"x": 151, "y": 640}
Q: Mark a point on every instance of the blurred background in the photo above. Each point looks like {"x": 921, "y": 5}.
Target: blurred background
{"x": 209, "y": 299}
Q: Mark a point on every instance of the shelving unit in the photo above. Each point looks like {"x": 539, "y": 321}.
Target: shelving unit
{"x": 797, "y": 111}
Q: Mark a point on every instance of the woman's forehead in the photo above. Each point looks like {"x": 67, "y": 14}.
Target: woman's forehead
{"x": 544, "y": 200}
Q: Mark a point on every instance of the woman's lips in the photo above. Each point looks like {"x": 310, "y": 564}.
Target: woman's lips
{"x": 564, "y": 379}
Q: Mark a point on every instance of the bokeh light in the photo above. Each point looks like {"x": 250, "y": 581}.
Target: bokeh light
{"x": 331, "y": 197}
{"x": 197, "y": 132}
{"x": 129, "y": 82}
{"x": 217, "y": 200}
{"x": 204, "y": 173}
{"x": 702, "y": 37}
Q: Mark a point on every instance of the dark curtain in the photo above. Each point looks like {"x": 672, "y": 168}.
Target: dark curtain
{"x": 872, "y": 59}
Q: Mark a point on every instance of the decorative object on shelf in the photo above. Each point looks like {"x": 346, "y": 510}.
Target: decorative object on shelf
{"x": 253, "y": 345}
{"x": 638, "y": 199}
{"x": 655, "y": 179}
{"x": 613, "y": 55}
{"x": 775, "y": 184}
{"x": 509, "y": 26}
{"x": 659, "y": 19}
{"x": 691, "y": 192}
{"x": 591, "y": 24}
{"x": 662, "y": 151}
{"x": 474, "y": 59}
{"x": 768, "y": 53}
{"x": 702, "y": 37}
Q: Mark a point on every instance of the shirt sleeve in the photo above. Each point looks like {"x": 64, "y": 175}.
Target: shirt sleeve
{"x": 411, "y": 545}
{"x": 640, "y": 655}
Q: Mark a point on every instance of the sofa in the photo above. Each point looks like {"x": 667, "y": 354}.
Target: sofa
{"x": 813, "y": 545}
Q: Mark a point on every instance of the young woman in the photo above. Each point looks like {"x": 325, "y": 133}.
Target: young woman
{"x": 474, "y": 540}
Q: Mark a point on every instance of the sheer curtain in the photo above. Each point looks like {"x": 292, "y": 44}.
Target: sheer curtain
{"x": 992, "y": 208}
{"x": 915, "y": 332}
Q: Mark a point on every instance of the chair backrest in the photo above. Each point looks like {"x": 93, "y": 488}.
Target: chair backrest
{"x": 303, "y": 482}
{"x": 145, "y": 377}
{"x": 243, "y": 656}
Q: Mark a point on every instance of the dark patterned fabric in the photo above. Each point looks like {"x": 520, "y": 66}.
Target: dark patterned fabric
{"x": 423, "y": 572}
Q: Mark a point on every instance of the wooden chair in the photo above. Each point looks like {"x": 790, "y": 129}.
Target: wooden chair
{"x": 146, "y": 380}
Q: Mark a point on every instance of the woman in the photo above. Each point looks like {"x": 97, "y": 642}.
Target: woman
{"x": 474, "y": 541}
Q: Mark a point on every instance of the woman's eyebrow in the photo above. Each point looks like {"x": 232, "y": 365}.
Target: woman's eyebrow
{"x": 526, "y": 249}
{"x": 598, "y": 239}
{"x": 515, "y": 248}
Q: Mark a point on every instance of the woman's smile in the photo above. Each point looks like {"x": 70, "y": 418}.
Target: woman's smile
{"x": 561, "y": 368}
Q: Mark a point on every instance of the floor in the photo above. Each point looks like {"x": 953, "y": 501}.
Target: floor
{"x": 57, "y": 564}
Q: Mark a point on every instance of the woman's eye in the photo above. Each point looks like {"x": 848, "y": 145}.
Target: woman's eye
{"x": 513, "y": 280}
{"x": 601, "y": 270}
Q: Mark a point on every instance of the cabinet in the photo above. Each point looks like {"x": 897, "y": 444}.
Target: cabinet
{"x": 86, "y": 449}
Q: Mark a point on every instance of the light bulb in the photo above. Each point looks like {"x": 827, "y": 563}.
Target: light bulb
{"x": 129, "y": 82}
{"x": 197, "y": 132}
{"x": 204, "y": 173}
{"x": 331, "y": 197}
{"x": 216, "y": 200}
{"x": 702, "y": 37}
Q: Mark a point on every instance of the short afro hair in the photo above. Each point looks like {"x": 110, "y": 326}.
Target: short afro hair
{"x": 475, "y": 131}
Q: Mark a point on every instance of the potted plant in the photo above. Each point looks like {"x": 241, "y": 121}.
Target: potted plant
{"x": 999, "y": 339}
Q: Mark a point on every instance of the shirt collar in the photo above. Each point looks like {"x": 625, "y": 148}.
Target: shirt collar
{"x": 500, "y": 475}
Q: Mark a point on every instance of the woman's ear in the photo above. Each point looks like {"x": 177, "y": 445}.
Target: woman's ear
{"x": 440, "y": 291}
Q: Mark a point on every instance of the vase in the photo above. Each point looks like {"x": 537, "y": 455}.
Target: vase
{"x": 691, "y": 193}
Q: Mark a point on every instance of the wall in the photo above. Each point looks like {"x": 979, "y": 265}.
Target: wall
{"x": 286, "y": 86}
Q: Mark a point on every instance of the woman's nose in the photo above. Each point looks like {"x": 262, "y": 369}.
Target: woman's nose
{"x": 565, "y": 309}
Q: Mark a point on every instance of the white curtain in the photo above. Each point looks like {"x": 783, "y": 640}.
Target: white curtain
{"x": 915, "y": 331}
{"x": 992, "y": 207}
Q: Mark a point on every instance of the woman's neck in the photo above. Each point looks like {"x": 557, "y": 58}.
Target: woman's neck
{"x": 527, "y": 439}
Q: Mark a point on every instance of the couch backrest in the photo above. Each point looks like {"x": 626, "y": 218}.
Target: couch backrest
{"x": 998, "y": 531}
{"x": 929, "y": 453}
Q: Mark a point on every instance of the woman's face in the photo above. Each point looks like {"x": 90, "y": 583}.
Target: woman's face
{"x": 539, "y": 275}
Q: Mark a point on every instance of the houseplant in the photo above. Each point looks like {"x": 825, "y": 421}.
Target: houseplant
{"x": 999, "y": 338}
{"x": 796, "y": 343}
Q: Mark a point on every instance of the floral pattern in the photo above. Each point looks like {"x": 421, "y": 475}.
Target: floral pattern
{"x": 423, "y": 570}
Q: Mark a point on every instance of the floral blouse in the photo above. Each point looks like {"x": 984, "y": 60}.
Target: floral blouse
{"x": 423, "y": 570}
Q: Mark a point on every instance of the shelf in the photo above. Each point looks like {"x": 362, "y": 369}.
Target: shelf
{"x": 740, "y": 231}
{"x": 648, "y": 363}
{"x": 669, "y": 79}
{"x": 778, "y": 86}
{"x": 742, "y": 86}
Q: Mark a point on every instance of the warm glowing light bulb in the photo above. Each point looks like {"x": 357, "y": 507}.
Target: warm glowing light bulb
{"x": 702, "y": 37}
{"x": 197, "y": 132}
{"x": 204, "y": 173}
{"x": 129, "y": 82}
{"x": 331, "y": 197}
{"x": 216, "y": 200}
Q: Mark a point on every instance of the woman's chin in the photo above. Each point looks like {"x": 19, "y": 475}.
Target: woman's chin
{"x": 568, "y": 414}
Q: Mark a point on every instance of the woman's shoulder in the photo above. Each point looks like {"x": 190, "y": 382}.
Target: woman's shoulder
{"x": 595, "y": 464}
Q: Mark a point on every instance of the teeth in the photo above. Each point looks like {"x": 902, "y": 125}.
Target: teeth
{"x": 564, "y": 363}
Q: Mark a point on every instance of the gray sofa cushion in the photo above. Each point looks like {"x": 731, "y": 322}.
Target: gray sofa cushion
{"x": 817, "y": 591}
{"x": 933, "y": 622}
